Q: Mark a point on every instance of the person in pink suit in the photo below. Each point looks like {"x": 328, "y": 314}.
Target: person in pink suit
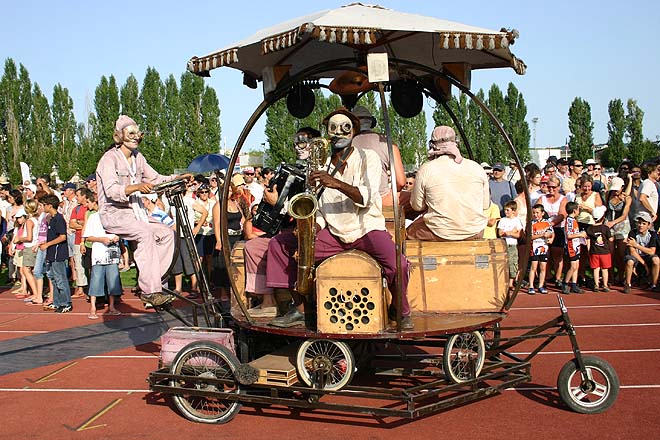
{"x": 122, "y": 175}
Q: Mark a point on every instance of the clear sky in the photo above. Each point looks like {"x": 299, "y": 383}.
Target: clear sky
{"x": 597, "y": 50}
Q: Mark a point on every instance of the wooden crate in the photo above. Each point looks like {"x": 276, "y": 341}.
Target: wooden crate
{"x": 178, "y": 337}
{"x": 237, "y": 273}
{"x": 349, "y": 294}
{"x": 278, "y": 368}
{"x": 457, "y": 276}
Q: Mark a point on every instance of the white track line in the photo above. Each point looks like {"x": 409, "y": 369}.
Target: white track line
{"x": 600, "y": 306}
{"x": 646, "y": 324}
{"x": 130, "y": 357}
{"x": 24, "y": 331}
{"x": 623, "y": 387}
{"x": 641, "y": 350}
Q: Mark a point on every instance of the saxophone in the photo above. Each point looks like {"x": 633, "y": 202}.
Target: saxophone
{"x": 302, "y": 208}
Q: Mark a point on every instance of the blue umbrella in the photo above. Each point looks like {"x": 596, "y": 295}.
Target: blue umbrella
{"x": 208, "y": 162}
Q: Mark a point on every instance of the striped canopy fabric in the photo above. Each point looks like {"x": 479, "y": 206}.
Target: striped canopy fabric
{"x": 357, "y": 28}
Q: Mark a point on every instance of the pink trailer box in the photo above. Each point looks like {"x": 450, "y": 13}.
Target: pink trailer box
{"x": 178, "y": 337}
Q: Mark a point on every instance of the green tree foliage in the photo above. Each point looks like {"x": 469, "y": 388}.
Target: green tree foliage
{"x": 280, "y": 128}
{"x": 23, "y": 110}
{"x": 637, "y": 148}
{"x": 152, "y": 118}
{"x": 410, "y": 135}
{"x": 129, "y": 96}
{"x": 581, "y": 127}
{"x": 516, "y": 126}
{"x": 192, "y": 89}
{"x": 210, "y": 122}
{"x": 497, "y": 145}
{"x": 106, "y": 105}
{"x": 173, "y": 136}
{"x": 42, "y": 130}
{"x": 9, "y": 97}
{"x": 616, "y": 128}
{"x": 64, "y": 129}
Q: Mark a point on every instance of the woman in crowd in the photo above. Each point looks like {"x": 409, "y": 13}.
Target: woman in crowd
{"x": 554, "y": 204}
{"x": 235, "y": 220}
{"x": 205, "y": 238}
{"x": 15, "y": 198}
{"x": 618, "y": 208}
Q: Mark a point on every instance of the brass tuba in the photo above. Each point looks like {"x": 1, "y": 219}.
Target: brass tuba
{"x": 302, "y": 208}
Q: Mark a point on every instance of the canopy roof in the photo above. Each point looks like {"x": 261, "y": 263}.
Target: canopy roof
{"x": 356, "y": 28}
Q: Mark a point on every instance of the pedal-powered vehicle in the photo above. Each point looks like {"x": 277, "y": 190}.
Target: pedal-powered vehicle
{"x": 349, "y": 357}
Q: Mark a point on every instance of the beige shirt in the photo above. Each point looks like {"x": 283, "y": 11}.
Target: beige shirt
{"x": 457, "y": 196}
{"x": 346, "y": 219}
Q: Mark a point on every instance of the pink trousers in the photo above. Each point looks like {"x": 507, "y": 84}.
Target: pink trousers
{"x": 155, "y": 246}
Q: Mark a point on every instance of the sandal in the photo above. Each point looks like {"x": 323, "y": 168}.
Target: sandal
{"x": 78, "y": 295}
{"x": 35, "y": 303}
{"x": 113, "y": 312}
{"x": 93, "y": 316}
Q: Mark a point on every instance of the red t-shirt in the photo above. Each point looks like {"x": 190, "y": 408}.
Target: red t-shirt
{"x": 79, "y": 214}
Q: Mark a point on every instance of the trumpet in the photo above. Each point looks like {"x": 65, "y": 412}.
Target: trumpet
{"x": 302, "y": 208}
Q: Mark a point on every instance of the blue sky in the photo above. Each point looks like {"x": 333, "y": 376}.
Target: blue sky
{"x": 597, "y": 50}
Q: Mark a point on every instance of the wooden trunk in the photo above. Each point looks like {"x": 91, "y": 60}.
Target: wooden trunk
{"x": 457, "y": 276}
{"x": 237, "y": 273}
{"x": 349, "y": 294}
{"x": 178, "y": 337}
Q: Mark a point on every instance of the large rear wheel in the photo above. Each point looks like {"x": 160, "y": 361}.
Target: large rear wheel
{"x": 589, "y": 393}
{"x": 202, "y": 362}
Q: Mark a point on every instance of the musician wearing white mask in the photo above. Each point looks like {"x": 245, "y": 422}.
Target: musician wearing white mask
{"x": 349, "y": 216}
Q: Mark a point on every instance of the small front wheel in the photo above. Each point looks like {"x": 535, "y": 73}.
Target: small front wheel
{"x": 464, "y": 356}
{"x": 592, "y": 392}
{"x": 325, "y": 364}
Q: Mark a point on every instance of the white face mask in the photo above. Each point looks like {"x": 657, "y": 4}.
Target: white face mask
{"x": 301, "y": 145}
{"x": 340, "y": 130}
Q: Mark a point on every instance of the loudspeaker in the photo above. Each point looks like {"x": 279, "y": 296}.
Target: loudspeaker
{"x": 300, "y": 101}
{"x": 407, "y": 98}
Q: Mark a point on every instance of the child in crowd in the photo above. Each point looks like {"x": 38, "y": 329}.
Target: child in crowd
{"x": 57, "y": 255}
{"x": 28, "y": 241}
{"x": 600, "y": 256}
{"x": 542, "y": 237}
{"x": 105, "y": 262}
{"x": 573, "y": 242}
{"x": 511, "y": 228}
{"x": 642, "y": 243}
{"x": 493, "y": 214}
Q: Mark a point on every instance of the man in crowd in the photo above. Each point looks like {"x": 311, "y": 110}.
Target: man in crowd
{"x": 501, "y": 190}
{"x": 349, "y": 217}
{"x": 251, "y": 183}
{"x": 648, "y": 191}
{"x": 575, "y": 166}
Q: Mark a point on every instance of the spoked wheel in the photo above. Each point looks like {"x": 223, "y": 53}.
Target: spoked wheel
{"x": 325, "y": 364}
{"x": 202, "y": 360}
{"x": 463, "y": 357}
{"x": 593, "y": 393}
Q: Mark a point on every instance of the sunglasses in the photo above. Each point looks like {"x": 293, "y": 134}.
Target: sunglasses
{"x": 598, "y": 168}
{"x": 202, "y": 192}
{"x": 552, "y": 186}
{"x": 578, "y": 165}
{"x": 249, "y": 174}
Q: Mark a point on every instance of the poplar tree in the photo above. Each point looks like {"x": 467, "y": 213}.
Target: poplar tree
{"x": 9, "y": 96}
{"x": 64, "y": 129}
{"x": 210, "y": 120}
{"x": 516, "y": 125}
{"x": 616, "y": 150}
{"x": 22, "y": 112}
{"x": 152, "y": 123}
{"x": 499, "y": 149}
{"x": 410, "y": 135}
{"x": 42, "y": 155}
{"x": 129, "y": 96}
{"x": 173, "y": 131}
{"x": 192, "y": 88}
{"x": 106, "y": 105}
{"x": 581, "y": 127}
{"x": 280, "y": 128}
{"x": 475, "y": 132}
{"x": 634, "y": 122}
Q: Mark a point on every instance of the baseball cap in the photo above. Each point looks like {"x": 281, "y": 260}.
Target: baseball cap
{"x": 545, "y": 178}
{"x": 486, "y": 166}
{"x": 248, "y": 170}
{"x": 599, "y": 212}
{"x": 32, "y": 187}
{"x": 149, "y": 196}
{"x": 499, "y": 166}
{"x": 591, "y": 162}
{"x": 69, "y": 185}
{"x": 91, "y": 177}
{"x": 562, "y": 161}
{"x": 616, "y": 184}
{"x": 237, "y": 180}
{"x": 644, "y": 216}
{"x": 20, "y": 213}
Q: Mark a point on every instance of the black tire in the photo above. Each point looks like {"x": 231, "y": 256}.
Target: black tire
{"x": 593, "y": 394}
{"x": 199, "y": 360}
{"x": 463, "y": 353}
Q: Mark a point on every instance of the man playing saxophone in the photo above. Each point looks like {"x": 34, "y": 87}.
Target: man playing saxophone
{"x": 349, "y": 216}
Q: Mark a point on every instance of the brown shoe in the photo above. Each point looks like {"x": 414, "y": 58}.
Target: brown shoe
{"x": 156, "y": 299}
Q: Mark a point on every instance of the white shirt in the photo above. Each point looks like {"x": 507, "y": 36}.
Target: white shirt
{"x": 256, "y": 189}
{"x": 509, "y": 224}
{"x": 346, "y": 219}
{"x": 647, "y": 187}
{"x": 456, "y": 195}
{"x": 101, "y": 254}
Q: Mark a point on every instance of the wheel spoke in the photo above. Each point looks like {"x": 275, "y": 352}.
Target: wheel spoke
{"x": 578, "y": 394}
{"x": 600, "y": 390}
